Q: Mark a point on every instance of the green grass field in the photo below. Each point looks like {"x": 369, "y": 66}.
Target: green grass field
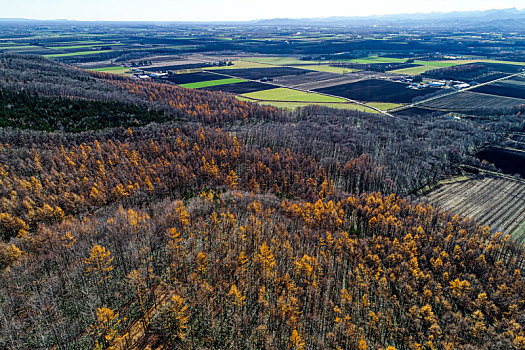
{"x": 290, "y": 95}
{"x": 114, "y": 70}
{"x": 384, "y": 106}
{"x": 209, "y": 83}
{"x": 413, "y": 70}
{"x": 294, "y": 105}
{"x": 78, "y": 53}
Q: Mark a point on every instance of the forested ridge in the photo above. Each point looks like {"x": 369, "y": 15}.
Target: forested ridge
{"x": 142, "y": 214}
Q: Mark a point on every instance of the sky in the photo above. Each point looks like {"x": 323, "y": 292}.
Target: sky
{"x": 231, "y": 10}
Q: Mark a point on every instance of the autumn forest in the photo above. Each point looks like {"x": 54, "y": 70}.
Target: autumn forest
{"x": 144, "y": 215}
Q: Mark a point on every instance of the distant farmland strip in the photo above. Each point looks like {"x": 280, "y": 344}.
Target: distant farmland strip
{"x": 497, "y": 202}
{"x": 203, "y": 84}
{"x": 78, "y": 53}
{"x": 80, "y": 46}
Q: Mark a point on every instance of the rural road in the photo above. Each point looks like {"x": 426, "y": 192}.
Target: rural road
{"x": 307, "y": 91}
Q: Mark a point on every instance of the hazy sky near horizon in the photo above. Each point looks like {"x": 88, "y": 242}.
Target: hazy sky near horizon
{"x": 231, "y": 10}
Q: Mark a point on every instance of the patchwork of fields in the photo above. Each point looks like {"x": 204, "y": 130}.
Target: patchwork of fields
{"x": 366, "y": 79}
{"x": 494, "y": 201}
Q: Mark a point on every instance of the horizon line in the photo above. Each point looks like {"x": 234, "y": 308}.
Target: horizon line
{"x": 254, "y": 20}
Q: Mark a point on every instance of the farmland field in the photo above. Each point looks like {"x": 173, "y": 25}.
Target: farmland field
{"x": 494, "y": 201}
{"x": 279, "y": 61}
{"x": 114, "y": 70}
{"x": 466, "y": 100}
{"x": 294, "y": 105}
{"x": 308, "y": 78}
{"x": 290, "y": 95}
{"x": 334, "y": 79}
{"x": 242, "y": 88}
{"x": 384, "y": 106}
{"x": 416, "y": 112}
{"x": 513, "y": 87}
{"x": 175, "y": 67}
{"x": 208, "y": 83}
{"x": 376, "y": 90}
{"x": 374, "y": 59}
{"x": 192, "y": 77}
{"x": 327, "y": 68}
{"x": 491, "y": 77}
{"x": 242, "y": 64}
{"x": 413, "y": 70}
{"x": 78, "y": 53}
{"x": 80, "y": 46}
{"x": 19, "y": 47}
{"x": 259, "y": 73}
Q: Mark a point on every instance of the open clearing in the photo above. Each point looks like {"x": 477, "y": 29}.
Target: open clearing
{"x": 494, "y": 201}
{"x": 208, "y": 83}
{"x": 290, "y": 95}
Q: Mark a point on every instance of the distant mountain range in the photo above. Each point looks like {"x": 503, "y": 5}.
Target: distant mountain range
{"x": 512, "y": 19}
{"x": 501, "y": 18}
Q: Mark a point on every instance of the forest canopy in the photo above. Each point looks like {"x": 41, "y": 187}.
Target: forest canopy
{"x": 143, "y": 214}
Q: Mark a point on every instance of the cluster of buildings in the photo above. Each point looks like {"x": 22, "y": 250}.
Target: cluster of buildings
{"x": 458, "y": 85}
